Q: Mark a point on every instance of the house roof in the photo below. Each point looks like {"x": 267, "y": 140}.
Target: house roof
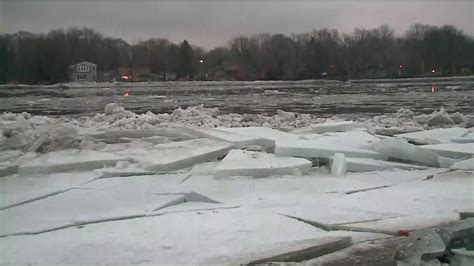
{"x": 83, "y": 63}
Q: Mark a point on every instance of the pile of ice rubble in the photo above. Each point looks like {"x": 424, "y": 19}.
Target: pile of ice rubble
{"x": 249, "y": 145}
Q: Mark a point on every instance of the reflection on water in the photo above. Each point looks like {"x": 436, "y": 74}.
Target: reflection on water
{"x": 433, "y": 88}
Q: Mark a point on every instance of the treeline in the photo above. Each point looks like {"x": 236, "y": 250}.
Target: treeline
{"x": 422, "y": 50}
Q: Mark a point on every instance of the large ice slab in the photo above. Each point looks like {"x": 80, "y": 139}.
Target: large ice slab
{"x": 452, "y": 150}
{"x": 318, "y": 149}
{"x": 143, "y": 133}
{"x": 405, "y": 151}
{"x": 238, "y": 139}
{"x": 434, "y": 136}
{"x": 263, "y": 132}
{"x": 67, "y": 161}
{"x": 332, "y": 126}
{"x": 177, "y": 155}
{"x": 356, "y": 138}
{"x": 369, "y": 165}
{"x": 260, "y": 164}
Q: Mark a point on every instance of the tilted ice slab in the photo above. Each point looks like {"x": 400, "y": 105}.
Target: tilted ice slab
{"x": 77, "y": 206}
{"x": 434, "y": 136}
{"x": 264, "y": 132}
{"x": 369, "y": 165}
{"x": 464, "y": 165}
{"x": 260, "y": 164}
{"x": 332, "y": 126}
{"x": 399, "y": 149}
{"x": 67, "y": 161}
{"x": 452, "y": 150}
{"x": 238, "y": 139}
{"x": 176, "y": 155}
{"x": 466, "y": 138}
{"x": 318, "y": 149}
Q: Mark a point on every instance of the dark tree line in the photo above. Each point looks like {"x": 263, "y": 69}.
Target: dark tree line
{"x": 44, "y": 58}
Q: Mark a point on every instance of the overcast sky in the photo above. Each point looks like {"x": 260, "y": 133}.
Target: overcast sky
{"x": 211, "y": 24}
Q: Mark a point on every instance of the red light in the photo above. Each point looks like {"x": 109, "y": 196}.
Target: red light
{"x": 125, "y": 77}
{"x": 125, "y": 94}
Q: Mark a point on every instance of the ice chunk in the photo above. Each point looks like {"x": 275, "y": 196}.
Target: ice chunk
{"x": 238, "y": 139}
{"x": 452, "y": 150}
{"x": 440, "y": 118}
{"x": 8, "y": 168}
{"x": 332, "y": 126}
{"x": 445, "y": 162}
{"x": 434, "y": 136}
{"x": 68, "y": 160}
{"x": 259, "y": 164}
{"x": 369, "y": 165}
{"x": 263, "y": 132}
{"x": 405, "y": 151}
{"x": 177, "y": 155}
{"x": 317, "y": 149}
{"x": 338, "y": 167}
{"x": 464, "y": 165}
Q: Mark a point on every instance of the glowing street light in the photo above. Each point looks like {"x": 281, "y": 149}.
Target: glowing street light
{"x": 433, "y": 71}
{"x": 201, "y": 61}
{"x": 400, "y": 66}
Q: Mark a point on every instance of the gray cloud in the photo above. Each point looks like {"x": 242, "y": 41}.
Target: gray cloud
{"x": 213, "y": 23}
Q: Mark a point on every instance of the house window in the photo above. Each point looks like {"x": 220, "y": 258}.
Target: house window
{"x": 82, "y": 68}
{"x": 81, "y": 77}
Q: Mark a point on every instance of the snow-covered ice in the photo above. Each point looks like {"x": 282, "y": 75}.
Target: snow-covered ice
{"x": 179, "y": 192}
{"x": 260, "y": 164}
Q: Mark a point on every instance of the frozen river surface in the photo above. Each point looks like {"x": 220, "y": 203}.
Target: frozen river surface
{"x": 318, "y": 97}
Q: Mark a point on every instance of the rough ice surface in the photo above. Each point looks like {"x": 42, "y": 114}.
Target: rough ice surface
{"x": 332, "y": 126}
{"x": 68, "y": 161}
{"x": 466, "y": 138}
{"x": 399, "y": 149}
{"x": 452, "y": 150}
{"x": 338, "y": 167}
{"x": 260, "y": 164}
{"x": 187, "y": 215}
{"x": 317, "y": 149}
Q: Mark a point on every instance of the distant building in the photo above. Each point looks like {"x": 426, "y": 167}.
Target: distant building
{"x": 83, "y": 71}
